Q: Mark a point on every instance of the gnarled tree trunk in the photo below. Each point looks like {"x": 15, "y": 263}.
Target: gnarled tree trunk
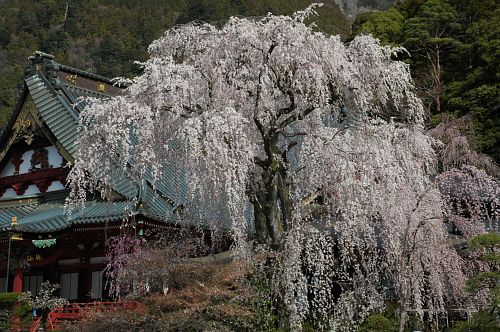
{"x": 271, "y": 201}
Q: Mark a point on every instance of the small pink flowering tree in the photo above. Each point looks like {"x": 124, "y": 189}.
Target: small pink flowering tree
{"x": 120, "y": 250}
{"x": 323, "y": 140}
{"x": 457, "y": 149}
{"x": 136, "y": 267}
{"x": 472, "y": 198}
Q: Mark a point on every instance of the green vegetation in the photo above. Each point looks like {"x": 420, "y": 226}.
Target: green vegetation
{"x": 107, "y": 36}
{"x": 487, "y": 247}
{"x": 386, "y": 25}
{"x": 378, "y": 322}
{"x": 10, "y": 306}
{"x": 454, "y": 47}
{"x": 8, "y": 299}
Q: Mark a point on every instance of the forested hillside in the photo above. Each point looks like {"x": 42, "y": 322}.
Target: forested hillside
{"x": 107, "y": 36}
{"x": 454, "y": 47}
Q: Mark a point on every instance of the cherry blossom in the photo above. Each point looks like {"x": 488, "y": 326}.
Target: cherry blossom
{"x": 323, "y": 140}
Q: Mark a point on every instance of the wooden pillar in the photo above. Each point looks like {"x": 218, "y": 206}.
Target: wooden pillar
{"x": 17, "y": 285}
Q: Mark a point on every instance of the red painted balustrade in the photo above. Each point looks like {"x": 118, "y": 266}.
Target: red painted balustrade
{"x": 37, "y": 323}
{"x": 77, "y": 311}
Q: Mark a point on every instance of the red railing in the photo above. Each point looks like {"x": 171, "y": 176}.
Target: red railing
{"x": 35, "y": 326}
{"x": 77, "y": 311}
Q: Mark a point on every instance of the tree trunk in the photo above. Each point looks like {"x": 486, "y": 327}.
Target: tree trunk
{"x": 272, "y": 210}
{"x": 402, "y": 320}
{"x": 434, "y": 58}
{"x": 272, "y": 203}
{"x": 438, "y": 82}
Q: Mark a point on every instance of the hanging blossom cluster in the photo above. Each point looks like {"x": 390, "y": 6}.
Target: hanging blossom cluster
{"x": 472, "y": 199}
{"x": 469, "y": 180}
{"x": 324, "y": 140}
{"x": 120, "y": 249}
{"x": 382, "y": 220}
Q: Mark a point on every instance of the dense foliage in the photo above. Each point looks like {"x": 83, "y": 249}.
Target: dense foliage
{"x": 107, "y": 36}
{"x": 10, "y": 308}
{"x": 454, "y": 49}
{"x": 485, "y": 281}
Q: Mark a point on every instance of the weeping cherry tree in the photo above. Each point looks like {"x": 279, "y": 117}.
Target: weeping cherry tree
{"x": 323, "y": 140}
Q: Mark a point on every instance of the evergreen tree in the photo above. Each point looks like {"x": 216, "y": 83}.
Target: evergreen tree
{"x": 454, "y": 58}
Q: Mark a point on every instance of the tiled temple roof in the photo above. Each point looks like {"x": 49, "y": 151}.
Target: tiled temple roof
{"x": 55, "y": 89}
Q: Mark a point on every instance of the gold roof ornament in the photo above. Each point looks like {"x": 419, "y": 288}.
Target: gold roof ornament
{"x": 101, "y": 87}
{"x": 72, "y": 78}
{"x": 17, "y": 237}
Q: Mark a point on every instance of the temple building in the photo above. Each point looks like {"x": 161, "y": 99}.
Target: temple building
{"x": 39, "y": 241}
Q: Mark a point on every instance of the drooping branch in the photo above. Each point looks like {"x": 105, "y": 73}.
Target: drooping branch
{"x": 296, "y": 116}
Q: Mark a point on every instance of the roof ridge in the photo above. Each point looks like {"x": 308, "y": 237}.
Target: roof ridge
{"x": 39, "y": 57}
{"x": 86, "y": 74}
